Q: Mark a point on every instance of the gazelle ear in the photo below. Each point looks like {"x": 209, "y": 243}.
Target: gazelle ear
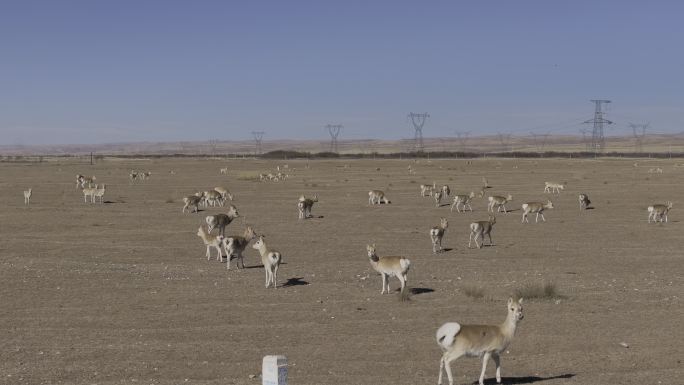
{"x": 520, "y": 301}
{"x": 510, "y": 301}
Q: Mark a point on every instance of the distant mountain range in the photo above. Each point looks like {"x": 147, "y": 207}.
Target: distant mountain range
{"x": 492, "y": 143}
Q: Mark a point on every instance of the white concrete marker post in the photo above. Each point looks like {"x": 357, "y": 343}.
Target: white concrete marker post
{"x": 274, "y": 370}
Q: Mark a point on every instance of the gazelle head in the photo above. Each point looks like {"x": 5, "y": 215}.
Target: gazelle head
{"x": 259, "y": 243}
{"x": 515, "y": 309}
{"x": 249, "y": 232}
{"x": 472, "y": 194}
{"x": 230, "y": 196}
{"x": 669, "y": 204}
{"x": 549, "y": 205}
{"x": 371, "y": 251}
{"x": 233, "y": 211}
{"x": 201, "y": 232}
{"x": 492, "y": 219}
{"x": 302, "y": 198}
{"x": 509, "y": 197}
{"x": 444, "y": 223}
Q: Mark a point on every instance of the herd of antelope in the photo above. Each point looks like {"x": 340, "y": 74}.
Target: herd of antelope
{"x": 454, "y": 339}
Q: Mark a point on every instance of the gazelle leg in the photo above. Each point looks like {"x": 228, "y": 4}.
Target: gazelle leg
{"x": 384, "y": 282}
{"x": 485, "y": 358}
{"x": 497, "y": 362}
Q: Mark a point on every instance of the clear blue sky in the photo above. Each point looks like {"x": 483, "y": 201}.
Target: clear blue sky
{"x": 111, "y": 71}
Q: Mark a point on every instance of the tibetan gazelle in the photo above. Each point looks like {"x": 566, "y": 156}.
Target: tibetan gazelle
{"x": 304, "y": 205}
{"x": 271, "y": 260}
{"x": 27, "y": 196}
{"x": 377, "y": 197}
{"x": 584, "y": 201}
{"x": 437, "y": 195}
{"x": 486, "y": 341}
{"x": 480, "y": 230}
{"x": 553, "y": 187}
{"x": 535, "y": 208}
{"x": 499, "y": 202}
{"x": 437, "y": 233}
{"x": 462, "y": 199}
{"x": 388, "y": 267}
{"x": 658, "y": 211}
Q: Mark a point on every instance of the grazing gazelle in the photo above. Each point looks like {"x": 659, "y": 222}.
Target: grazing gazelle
{"x": 553, "y": 187}
{"x": 437, "y": 233}
{"x": 191, "y": 201}
{"x": 210, "y": 241}
{"x": 27, "y": 196}
{"x": 535, "y": 208}
{"x": 377, "y": 197}
{"x": 388, "y": 267}
{"x": 304, "y": 205}
{"x": 486, "y": 341}
{"x": 462, "y": 199}
{"x": 499, "y": 202}
{"x": 658, "y": 211}
{"x": 236, "y": 245}
{"x": 220, "y": 221}
{"x": 271, "y": 260}
{"x": 584, "y": 201}
{"x": 480, "y": 229}
{"x": 224, "y": 193}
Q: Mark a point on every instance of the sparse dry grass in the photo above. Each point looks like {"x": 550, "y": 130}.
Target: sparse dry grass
{"x": 542, "y": 291}
{"x": 474, "y": 292}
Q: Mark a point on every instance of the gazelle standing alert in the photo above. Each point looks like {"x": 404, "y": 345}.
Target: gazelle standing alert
{"x": 584, "y": 201}
{"x": 486, "y": 341}
{"x": 535, "y": 208}
{"x": 480, "y": 229}
{"x": 210, "y": 241}
{"x": 236, "y": 245}
{"x": 271, "y": 260}
{"x": 389, "y": 266}
{"x": 304, "y": 205}
{"x": 438, "y": 197}
{"x": 437, "y": 233}
{"x": 27, "y": 196}
{"x": 658, "y": 211}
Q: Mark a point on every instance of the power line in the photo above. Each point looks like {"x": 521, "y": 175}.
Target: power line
{"x": 639, "y": 132}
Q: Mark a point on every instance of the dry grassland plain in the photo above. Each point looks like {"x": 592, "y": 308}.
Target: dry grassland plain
{"x": 121, "y": 293}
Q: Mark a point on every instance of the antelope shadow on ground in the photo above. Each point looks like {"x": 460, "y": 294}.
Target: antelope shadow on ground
{"x": 420, "y": 290}
{"x": 528, "y": 379}
{"x": 295, "y": 281}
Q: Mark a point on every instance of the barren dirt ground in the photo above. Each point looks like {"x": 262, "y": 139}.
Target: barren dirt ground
{"x": 121, "y": 293}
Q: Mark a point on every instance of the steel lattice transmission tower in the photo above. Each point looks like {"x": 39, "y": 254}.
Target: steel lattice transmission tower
{"x": 258, "y": 138}
{"x": 598, "y": 141}
{"x": 418, "y": 121}
{"x": 334, "y": 130}
{"x": 639, "y": 134}
{"x": 505, "y": 140}
{"x": 540, "y": 140}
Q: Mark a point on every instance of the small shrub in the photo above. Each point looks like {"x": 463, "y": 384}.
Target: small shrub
{"x": 475, "y": 292}
{"x": 546, "y": 291}
{"x": 170, "y": 200}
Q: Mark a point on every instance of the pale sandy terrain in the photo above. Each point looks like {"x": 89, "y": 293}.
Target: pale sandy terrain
{"x": 121, "y": 293}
